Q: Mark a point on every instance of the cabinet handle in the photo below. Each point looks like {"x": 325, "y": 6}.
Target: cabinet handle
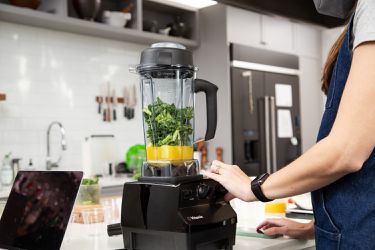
{"x": 273, "y": 131}
{"x": 250, "y": 83}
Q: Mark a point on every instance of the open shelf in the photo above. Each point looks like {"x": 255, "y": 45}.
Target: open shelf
{"x": 166, "y": 15}
{"x": 3, "y": 97}
{"x": 9, "y": 13}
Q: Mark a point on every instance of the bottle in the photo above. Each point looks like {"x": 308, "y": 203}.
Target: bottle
{"x": 7, "y": 171}
{"x": 16, "y": 166}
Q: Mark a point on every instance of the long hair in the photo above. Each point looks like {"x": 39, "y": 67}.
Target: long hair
{"x": 331, "y": 60}
{"x": 333, "y": 54}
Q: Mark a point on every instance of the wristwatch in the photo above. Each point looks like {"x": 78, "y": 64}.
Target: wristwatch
{"x": 256, "y": 187}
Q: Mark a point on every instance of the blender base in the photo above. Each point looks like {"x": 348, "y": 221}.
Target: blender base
{"x": 187, "y": 216}
{"x": 207, "y": 239}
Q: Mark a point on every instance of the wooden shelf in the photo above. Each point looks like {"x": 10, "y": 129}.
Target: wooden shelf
{"x": 3, "y": 97}
{"x": 41, "y": 19}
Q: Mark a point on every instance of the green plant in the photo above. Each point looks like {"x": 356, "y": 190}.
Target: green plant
{"x": 167, "y": 124}
{"x": 89, "y": 181}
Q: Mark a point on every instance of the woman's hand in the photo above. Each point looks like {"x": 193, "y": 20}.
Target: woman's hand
{"x": 233, "y": 179}
{"x": 274, "y": 227}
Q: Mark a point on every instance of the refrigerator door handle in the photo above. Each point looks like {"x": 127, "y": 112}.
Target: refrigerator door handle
{"x": 251, "y": 96}
{"x": 267, "y": 133}
{"x": 273, "y": 132}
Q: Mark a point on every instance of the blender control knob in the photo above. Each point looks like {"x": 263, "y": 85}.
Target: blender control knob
{"x": 203, "y": 191}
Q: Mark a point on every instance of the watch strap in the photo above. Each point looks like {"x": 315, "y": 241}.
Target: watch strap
{"x": 257, "y": 189}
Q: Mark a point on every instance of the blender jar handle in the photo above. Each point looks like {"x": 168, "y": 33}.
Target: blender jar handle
{"x": 210, "y": 90}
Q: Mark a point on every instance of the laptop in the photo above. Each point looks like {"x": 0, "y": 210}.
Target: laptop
{"x": 38, "y": 209}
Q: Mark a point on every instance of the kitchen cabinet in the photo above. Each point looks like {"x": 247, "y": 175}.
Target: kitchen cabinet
{"x": 258, "y": 30}
{"x": 3, "y": 97}
{"x": 277, "y": 33}
{"x": 60, "y": 15}
{"x": 307, "y": 40}
{"x": 244, "y": 27}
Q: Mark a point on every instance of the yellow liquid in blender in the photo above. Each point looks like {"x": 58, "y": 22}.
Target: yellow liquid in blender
{"x": 169, "y": 153}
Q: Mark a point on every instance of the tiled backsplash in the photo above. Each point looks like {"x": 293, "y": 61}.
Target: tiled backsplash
{"x": 55, "y": 76}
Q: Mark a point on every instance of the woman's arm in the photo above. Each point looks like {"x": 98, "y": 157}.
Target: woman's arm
{"x": 343, "y": 151}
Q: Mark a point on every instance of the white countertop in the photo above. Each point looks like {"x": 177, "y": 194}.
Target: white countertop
{"x": 110, "y": 181}
{"x": 75, "y": 239}
{"x": 4, "y": 191}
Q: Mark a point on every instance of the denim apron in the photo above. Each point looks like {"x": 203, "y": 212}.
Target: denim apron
{"x": 344, "y": 210}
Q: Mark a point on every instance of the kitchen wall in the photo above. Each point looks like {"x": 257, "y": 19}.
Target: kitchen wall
{"x": 55, "y": 76}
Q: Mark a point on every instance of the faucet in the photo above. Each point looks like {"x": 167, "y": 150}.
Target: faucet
{"x": 49, "y": 162}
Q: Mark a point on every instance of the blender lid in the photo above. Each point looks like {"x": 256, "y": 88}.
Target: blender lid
{"x": 164, "y": 56}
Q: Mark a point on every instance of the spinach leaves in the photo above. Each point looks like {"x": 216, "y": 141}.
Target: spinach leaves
{"x": 167, "y": 124}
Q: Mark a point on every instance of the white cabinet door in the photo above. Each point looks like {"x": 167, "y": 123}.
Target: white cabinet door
{"x": 243, "y": 27}
{"x": 277, "y": 34}
{"x": 307, "y": 40}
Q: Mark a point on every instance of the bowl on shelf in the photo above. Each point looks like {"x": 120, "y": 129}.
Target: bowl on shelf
{"x": 116, "y": 18}
{"x": 87, "y": 9}
{"x": 165, "y": 31}
{"x": 32, "y": 4}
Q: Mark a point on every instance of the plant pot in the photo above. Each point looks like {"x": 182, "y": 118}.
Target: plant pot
{"x": 87, "y": 9}
{"x": 32, "y": 4}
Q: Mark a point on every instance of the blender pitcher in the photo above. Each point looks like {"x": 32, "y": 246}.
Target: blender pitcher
{"x": 168, "y": 84}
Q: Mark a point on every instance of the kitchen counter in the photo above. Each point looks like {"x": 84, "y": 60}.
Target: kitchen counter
{"x": 4, "y": 192}
{"x": 75, "y": 240}
{"x": 93, "y": 236}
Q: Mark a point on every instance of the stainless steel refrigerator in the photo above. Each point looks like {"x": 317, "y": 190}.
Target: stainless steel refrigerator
{"x": 266, "y": 128}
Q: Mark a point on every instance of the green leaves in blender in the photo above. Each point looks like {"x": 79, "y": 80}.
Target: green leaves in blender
{"x": 167, "y": 124}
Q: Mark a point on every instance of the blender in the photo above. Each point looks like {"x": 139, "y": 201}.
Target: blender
{"x": 168, "y": 84}
{"x": 172, "y": 206}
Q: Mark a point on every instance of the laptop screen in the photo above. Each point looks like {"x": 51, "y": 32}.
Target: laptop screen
{"x": 38, "y": 209}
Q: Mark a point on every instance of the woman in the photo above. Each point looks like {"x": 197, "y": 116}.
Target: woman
{"x": 340, "y": 169}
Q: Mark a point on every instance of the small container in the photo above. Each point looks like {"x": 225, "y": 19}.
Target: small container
{"x": 89, "y": 194}
{"x": 96, "y": 220}
{"x": 276, "y": 208}
{"x": 116, "y": 18}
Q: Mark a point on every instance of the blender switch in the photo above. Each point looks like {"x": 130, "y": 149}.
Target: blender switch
{"x": 203, "y": 191}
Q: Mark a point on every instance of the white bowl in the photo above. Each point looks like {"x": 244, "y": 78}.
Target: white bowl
{"x": 116, "y": 18}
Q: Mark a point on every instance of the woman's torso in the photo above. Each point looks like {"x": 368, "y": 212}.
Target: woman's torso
{"x": 344, "y": 210}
